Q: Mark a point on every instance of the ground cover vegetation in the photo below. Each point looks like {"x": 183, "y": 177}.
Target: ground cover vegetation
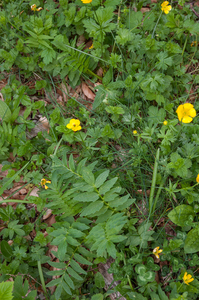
{"x": 99, "y": 150}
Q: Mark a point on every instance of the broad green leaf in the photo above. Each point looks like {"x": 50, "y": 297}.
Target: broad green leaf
{"x": 66, "y": 287}
{"x": 97, "y": 297}
{"x": 107, "y": 185}
{"x": 77, "y": 267}
{"x": 73, "y": 274}
{"x": 71, "y": 163}
{"x": 82, "y": 260}
{"x": 55, "y": 273}
{"x": 101, "y": 178}
{"x": 86, "y": 197}
{"x": 162, "y": 294}
{"x": 54, "y": 282}
{"x": 92, "y": 208}
{"x": 58, "y": 291}
{"x": 5, "y": 112}
{"x": 59, "y": 265}
{"x": 180, "y": 214}
{"x": 6, "y": 249}
{"x": 99, "y": 280}
{"x": 192, "y": 241}
{"x": 111, "y": 249}
{"x": 6, "y": 290}
{"x": 88, "y": 176}
{"x": 72, "y": 241}
{"x": 69, "y": 281}
{"x": 154, "y": 296}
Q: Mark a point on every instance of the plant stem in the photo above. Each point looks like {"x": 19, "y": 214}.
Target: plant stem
{"x": 151, "y": 206}
{"x": 156, "y": 26}
{"x": 42, "y": 278}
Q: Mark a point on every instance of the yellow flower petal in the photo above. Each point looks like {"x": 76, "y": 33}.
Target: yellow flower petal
{"x": 186, "y": 112}
{"x": 197, "y": 178}
{"x": 74, "y": 124}
{"x": 187, "y": 119}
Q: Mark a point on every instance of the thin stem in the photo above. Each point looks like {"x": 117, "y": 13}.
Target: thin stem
{"x": 42, "y": 278}
{"x": 151, "y": 206}
{"x": 156, "y": 25}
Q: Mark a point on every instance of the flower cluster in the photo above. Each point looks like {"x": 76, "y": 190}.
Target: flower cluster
{"x": 186, "y": 112}
{"x": 165, "y": 7}
{"x": 74, "y": 125}
{"x": 34, "y": 8}
{"x": 43, "y": 183}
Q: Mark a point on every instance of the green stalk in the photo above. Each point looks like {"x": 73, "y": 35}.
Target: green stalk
{"x": 16, "y": 201}
{"x": 158, "y": 194}
{"x": 42, "y": 278}
{"x": 156, "y": 25}
{"x": 153, "y": 182}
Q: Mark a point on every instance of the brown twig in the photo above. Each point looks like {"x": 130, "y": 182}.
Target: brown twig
{"x": 193, "y": 10}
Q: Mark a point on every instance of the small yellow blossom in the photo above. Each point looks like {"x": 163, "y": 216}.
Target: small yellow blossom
{"x": 165, "y": 7}
{"x": 34, "y": 8}
{"x": 165, "y": 122}
{"x": 74, "y": 125}
{"x": 186, "y": 112}
{"x": 156, "y": 252}
{"x": 43, "y": 183}
{"x": 135, "y": 132}
{"x": 197, "y": 178}
{"x": 86, "y": 1}
{"x": 187, "y": 278}
{"x": 91, "y": 47}
{"x": 193, "y": 44}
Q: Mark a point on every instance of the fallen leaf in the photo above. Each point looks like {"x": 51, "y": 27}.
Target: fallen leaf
{"x": 87, "y": 92}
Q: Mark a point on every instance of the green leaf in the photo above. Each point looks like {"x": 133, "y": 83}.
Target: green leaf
{"x": 77, "y": 267}
{"x": 54, "y": 282}
{"x": 101, "y": 178}
{"x": 99, "y": 280}
{"x": 154, "y": 296}
{"x": 99, "y": 97}
{"x": 6, "y": 249}
{"x": 192, "y": 241}
{"x": 108, "y": 76}
{"x": 92, "y": 208}
{"x": 107, "y": 186}
{"x": 58, "y": 265}
{"x": 82, "y": 260}
{"x": 6, "y": 290}
{"x": 111, "y": 249}
{"x": 86, "y": 197}
{"x": 69, "y": 281}
{"x": 66, "y": 287}
{"x": 88, "y": 176}
{"x": 5, "y": 112}
{"x": 97, "y": 297}
{"x": 71, "y": 163}
{"x": 162, "y": 294}
{"x": 180, "y": 214}
{"x": 73, "y": 274}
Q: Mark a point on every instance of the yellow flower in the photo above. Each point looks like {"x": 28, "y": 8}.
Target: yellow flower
{"x": 197, "y": 178}
{"x": 165, "y": 122}
{"x": 187, "y": 278}
{"x": 165, "y": 7}
{"x": 34, "y": 8}
{"x": 91, "y": 47}
{"x": 43, "y": 183}
{"x": 86, "y": 1}
{"x": 156, "y": 252}
{"x": 135, "y": 132}
{"x": 193, "y": 44}
{"x": 186, "y": 112}
{"x": 74, "y": 125}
